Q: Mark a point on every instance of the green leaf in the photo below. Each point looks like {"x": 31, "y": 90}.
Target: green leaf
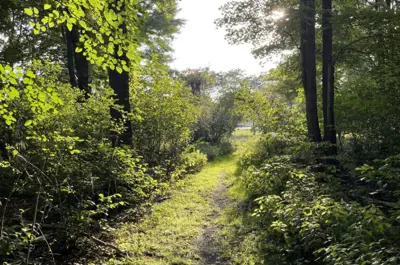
{"x": 75, "y": 151}
{"x": 78, "y": 49}
{"x": 30, "y": 74}
{"x": 28, "y": 122}
{"x": 47, "y": 7}
{"x": 69, "y": 26}
{"x": 56, "y": 13}
{"x": 28, "y": 11}
{"x": 13, "y": 93}
{"x": 36, "y": 11}
{"x": 12, "y": 81}
{"x": 42, "y": 97}
{"x": 119, "y": 69}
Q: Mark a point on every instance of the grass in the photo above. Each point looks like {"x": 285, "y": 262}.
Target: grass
{"x": 168, "y": 235}
{"x": 243, "y": 135}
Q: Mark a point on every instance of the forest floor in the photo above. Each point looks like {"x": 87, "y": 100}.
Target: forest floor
{"x": 185, "y": 228}
{"x": 196, "y": 225}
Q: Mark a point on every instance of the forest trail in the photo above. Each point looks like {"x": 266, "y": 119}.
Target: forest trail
{"x": 183, "y": 230}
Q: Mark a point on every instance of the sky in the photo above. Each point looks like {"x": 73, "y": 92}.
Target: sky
{"x": 201, "y": 44}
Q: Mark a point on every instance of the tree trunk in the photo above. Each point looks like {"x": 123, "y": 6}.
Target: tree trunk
{"x": 78, "y": 66}
{"x": 70, "y": 58}
{"x": 328, "y": 83}
{"x": 81, "y": 64}
{"x": 119, "y": 82}
{"x": 307, "y": 50}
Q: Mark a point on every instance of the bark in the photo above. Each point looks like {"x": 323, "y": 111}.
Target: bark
{"x": 78, "y": 66}
{"x": 81, "y": 64}
{"x": 328, "y": 83}
{"x": 307, "y": 50}
{"x": 70, "y": 58}
{"x": 119, "y": 82}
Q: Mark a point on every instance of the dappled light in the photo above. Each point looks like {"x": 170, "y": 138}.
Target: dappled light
{"x": 136, "y": 132}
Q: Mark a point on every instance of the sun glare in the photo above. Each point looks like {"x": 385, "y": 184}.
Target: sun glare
{"x": 277, "y": 14}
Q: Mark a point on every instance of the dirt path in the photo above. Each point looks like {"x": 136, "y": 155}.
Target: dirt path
{"x": 208, "y": 244}
{"x": 184, "y": 229}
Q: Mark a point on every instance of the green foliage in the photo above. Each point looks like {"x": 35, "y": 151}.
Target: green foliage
{"x": 213, "y": 151}
{"x": 218, "y": 119}
{"x": 313, "y": 226}
{"x": 101, "y": 24}
{"x": 304, "y": 216}
{"x": 163, "y": 115}
{"x": 59, "y": 153}
{"x": 193, "y": 162}
{"x": 271, "y": 114}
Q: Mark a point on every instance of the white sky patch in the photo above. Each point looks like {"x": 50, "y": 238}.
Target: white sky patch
{"x": 278, "y": 14}
{"x": 201, "y": 44}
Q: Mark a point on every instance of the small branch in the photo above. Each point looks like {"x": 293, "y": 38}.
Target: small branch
{"x": 379, "y": 202}
{"x": 105, "y": 244}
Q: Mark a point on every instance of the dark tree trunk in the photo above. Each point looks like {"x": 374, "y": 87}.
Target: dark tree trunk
{"x": 307, "y": 50}
{"x": 70, "y": 58}
{"x": 119, "y": 82}
{"x": 328, "y": 83}
{"x": 78, "y": 66}
{"x": 81, "y": 64}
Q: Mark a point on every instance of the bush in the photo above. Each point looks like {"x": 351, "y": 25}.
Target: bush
{"x": 307, "y": 216}
{"x": 163, "y": 116}
{"x": 213, "y": 151}
{"x": 193, "y": 162}
{"x": 308, "y": 226}
{"x": 60, "y": 168}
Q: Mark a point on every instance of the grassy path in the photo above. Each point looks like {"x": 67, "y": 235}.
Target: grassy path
{"x": 182, "y": 229}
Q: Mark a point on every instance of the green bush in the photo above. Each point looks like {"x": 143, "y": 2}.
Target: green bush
{"x": 162, "y": 117}
{"x": 213, "y": 151}
{"x": 193, "y": 162}
{"x": 59, "y": 166}
{"x": 305, "y": 215}
{"x": 307, "y": 225}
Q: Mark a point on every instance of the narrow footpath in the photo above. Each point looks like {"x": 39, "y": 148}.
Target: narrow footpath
{"x": 182, "y": 230}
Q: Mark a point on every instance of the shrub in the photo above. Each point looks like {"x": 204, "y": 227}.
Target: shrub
{"x": 308, "y": 226}
{"x": 59, "y": 167}
{"x": 307, "y": 214}
{"x": 213, "y": 151}
{"x": 163, "y": 115}
{"x": 193, "y": 162}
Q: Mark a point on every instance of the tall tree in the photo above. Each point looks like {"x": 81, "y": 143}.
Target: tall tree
{"x": 308, "y": 66}
{"x": 328, "y": 72}
{"x": 78, "y": 66}
{"x": 119, "y": 82}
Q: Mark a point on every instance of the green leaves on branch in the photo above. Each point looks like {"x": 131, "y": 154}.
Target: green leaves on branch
{"x": 103, "y": 27}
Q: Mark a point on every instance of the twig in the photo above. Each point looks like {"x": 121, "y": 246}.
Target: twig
{"x": 105, "y": 244}
{"x": 34, "y": 221}
{"x": 48, "y": 245}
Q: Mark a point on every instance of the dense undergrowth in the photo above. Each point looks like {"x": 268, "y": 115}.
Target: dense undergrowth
{"x": 296, "y": 209}
{"x": 61, "y": 177}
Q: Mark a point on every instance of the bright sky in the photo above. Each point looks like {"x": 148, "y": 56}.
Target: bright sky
{"x": 200, "y": 44}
